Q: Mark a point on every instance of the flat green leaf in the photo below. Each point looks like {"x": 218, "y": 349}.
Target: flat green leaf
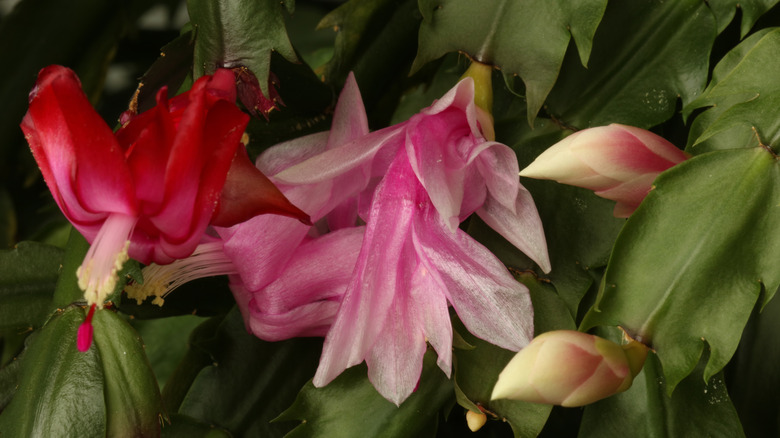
{"x": 742, "y": 96}
{"x": 698, "y": 408}
{"x": 352, "y": 23}
{"x": 477, "y": 369}
{"x": 8, "y": 226}
{"x": 752, "y": 375}
{"x": 10, "y": 375}
{"x": 375, "y": 39}
{"x": 169, "y": 70}
{"x": 579, "y": 226}
{"x": 67, "y": 290}
{"x": 340, "y": 409}
{"x": 132, "y": 398}
{"x": 237, "y": 33}
{"x": 182, "y": 426}
{"x": 528, "y": 38}
{"x": 247, "y": 382}
{"x": 691, "y": 262}
{"x": 475, "y": 375}
{"x": 724, "y": 11}
{"x": 82, "y": 35}
{"x": 61, "y": 389}
{"x": 195, "y": 359}
{"x": 165, "y": 342}
{"x": 645, "y": 55}
{"x": 28, "y": 275}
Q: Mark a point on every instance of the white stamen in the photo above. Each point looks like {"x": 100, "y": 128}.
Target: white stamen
{"x": 97, "y": 275}
{"x": 208, "y": 260}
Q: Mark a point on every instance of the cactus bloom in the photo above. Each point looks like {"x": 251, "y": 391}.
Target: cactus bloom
{"x": 414, "y": 260}
{"x": 617, "y": 162}
{"x": 570, "y": 368}
{"x": 150, "y": 190}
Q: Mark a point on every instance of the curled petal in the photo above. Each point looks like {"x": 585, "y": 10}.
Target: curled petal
{"x": 396, "y": 358}
{"x": 81, "y": 161}
{"x": 521, "y": 227}
{"x": 248, "y": 193}
{"x": 378, "y": 276}
{"x": 429, "y": 299}
{"x": 489, "y": 301}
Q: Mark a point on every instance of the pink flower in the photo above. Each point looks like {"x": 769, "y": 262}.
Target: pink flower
{"x": 379, "y": 292}
{"x": 570, "y": 368}
{"x": 618, "y": 162}
{"x": 414, "y": 261}
{"x": 290, "y": 277}
{"x": 287, "y": 277}
{"x": 305, "y": 297}
{"x": 150, "y": 190}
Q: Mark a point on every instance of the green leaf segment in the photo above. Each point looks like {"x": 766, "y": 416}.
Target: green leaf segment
{"x": 528, "y": 38}
{"x": 719, "y": 212}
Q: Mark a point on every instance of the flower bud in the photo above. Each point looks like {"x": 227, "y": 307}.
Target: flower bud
{"x": 569, "y": 368}
{"x": 475, "y": 420}
{"x": 618, "y": 162}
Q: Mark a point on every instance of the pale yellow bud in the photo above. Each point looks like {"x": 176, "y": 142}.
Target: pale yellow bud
{"x": 569, "y": 368}
{"x": 475, "y": 420}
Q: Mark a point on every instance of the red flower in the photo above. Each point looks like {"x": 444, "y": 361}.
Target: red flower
{"x": 150, "y": 190}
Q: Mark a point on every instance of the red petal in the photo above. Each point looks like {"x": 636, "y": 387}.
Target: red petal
{"x": 79, "y": 157}
{"x": 248, "y": 193}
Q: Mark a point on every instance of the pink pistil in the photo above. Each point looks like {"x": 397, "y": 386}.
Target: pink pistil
{"x": 84, "y": 337}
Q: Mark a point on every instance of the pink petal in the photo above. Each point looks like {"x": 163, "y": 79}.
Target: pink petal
{"x": 381, "y": 272}
{"x": 349, "y": 123}
{"x": 283, "y": 155}
{"x": 320, "y": 269}
{"x": 395, "y": 360}
{"x": 429, "y": 299}
{"x": 460, "y": 96}
{"x": 629, "y": 194}
{"x": 521, "y": 227}
{"x": 338, "y": 161}
{"x": 617, "y": 153}
{"x": 261, "y": 247}
{"x": 308, "y": 320}
{"x": 489, "y": 301}
{"x": 497, "y": 164}
{"x": 434, "y": 145}
{"x": 349, "y": 119}
{"x": 656, "y": 144}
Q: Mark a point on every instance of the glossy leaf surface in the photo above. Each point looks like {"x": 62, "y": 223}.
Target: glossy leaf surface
{"x": 697, "y": 408}
{"x": 679, "y": 286}
{"x": 528, "y": 38}
{"x": 28, "y": 275}
{"x": 645, "y": 55}
{"x": 335, "y": 410}
{"x": 239, "y": 33}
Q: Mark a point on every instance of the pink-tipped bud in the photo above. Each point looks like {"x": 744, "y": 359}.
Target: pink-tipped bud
{"x": 618, "y": 162}
{"x": 569, "y": 368}
{"x": 84, "y": 336}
